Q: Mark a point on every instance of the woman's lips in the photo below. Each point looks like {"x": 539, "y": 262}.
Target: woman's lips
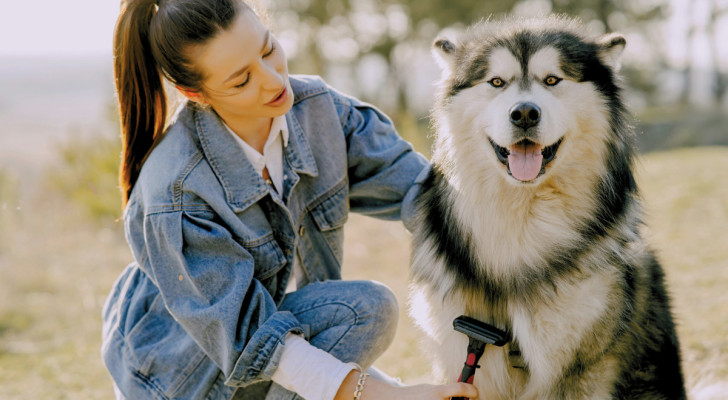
{"x": 280, "y": 99}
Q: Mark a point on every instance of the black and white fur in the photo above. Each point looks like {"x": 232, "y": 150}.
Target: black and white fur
{"x": 549, "y": 251}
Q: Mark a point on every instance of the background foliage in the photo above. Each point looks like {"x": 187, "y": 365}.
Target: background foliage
{"x": 379, "y": 49}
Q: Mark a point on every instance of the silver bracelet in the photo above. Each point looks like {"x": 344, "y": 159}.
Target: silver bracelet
{"x": 360, "y": 384}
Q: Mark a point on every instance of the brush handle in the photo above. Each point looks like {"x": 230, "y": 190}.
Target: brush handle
{"x": 475, "y": 350}
{"x": 468, "y": 371}
{"x": 479, "y": 334}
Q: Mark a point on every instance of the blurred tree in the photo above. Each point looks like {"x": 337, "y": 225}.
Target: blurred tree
{"x": 334, "y": 37}
{"x": 378, "y": 50}
{"x": 720, "y": 76}
{"x": 687, "y": 70}
{"x": 614, "y": 15}
{"x": 369, "y": 47}
{"x": 703, "y": 20}
{"x": 446, "y": 13}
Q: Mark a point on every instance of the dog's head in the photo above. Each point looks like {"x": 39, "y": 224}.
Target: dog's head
{"x": 526, "y": 93}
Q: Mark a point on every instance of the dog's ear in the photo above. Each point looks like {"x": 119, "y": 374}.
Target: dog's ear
{"x": 611, "y": 47}
{"x": 444, "y": 49}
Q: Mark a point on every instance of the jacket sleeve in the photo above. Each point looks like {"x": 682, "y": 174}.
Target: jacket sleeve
{"x": 206, "y": 280}
{"x": 383, "y": 167}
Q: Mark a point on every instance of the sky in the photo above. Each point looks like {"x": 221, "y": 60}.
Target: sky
{"x": 57, "y": 27}
{"x": 85, "y": 27}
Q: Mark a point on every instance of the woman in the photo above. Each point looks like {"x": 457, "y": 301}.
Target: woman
{"x": 246, "y": 190}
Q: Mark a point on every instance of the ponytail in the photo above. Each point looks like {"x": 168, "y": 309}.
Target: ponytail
{"x": 151, "y": 42}
{"x": 142, "y": 102}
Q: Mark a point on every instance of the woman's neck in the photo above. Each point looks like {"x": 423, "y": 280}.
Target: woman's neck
{"x": 252, "y": 131}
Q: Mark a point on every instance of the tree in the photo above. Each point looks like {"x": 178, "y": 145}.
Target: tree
{"x": 720, "y": 78}
{"x": 336, "y": 36}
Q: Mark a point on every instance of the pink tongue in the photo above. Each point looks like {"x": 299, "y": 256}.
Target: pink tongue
{"x": 525, "y": 161}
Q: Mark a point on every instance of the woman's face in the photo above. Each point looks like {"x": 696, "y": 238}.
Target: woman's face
{"x": 245, "y": 73}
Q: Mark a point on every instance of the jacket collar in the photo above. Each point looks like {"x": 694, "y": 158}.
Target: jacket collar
{"x": 242, "y": 185}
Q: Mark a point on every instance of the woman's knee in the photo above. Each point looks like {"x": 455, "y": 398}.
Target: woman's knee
{"x": 378, "y": 309}
{"x": 345, "y": 303}
{"x": 354, "y": 320}
{"x": 382, "y": 301}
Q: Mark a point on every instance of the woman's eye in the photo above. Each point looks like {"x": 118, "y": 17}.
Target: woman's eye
{"x": 272, "y": 49}
{"x": 551, "y": 80}
{"x": 247, "y": 78}
{"x": 496, "y": 82}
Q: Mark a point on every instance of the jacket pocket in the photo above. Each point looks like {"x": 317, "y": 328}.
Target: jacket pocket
{"x": 332, "y": 212}
{"x": 166, "y": 355}
{"x": 329, "y": 217}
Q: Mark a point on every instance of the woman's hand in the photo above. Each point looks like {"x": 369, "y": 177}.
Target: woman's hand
{"x": 375, "y": 389}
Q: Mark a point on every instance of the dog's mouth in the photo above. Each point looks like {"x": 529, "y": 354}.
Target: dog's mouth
{"x": 526, "y": 160}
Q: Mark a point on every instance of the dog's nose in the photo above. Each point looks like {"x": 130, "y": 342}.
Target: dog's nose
{"x": 525, "y": 115}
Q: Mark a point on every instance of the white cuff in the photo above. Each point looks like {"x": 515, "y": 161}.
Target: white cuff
{"x": 309, "y": 371}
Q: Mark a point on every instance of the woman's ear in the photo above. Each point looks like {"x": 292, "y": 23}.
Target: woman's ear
{"x": 192, "y": 95}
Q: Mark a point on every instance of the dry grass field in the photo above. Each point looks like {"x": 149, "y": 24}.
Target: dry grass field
{"x": 55, "y": 271}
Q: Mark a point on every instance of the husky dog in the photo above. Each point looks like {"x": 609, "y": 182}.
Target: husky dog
{"x": 530, "y": 221}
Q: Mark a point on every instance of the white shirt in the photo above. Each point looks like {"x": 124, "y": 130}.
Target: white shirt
{"x": 309, "y": 371}
{"x": 272, "y": 156}
{"x": 304, "y": 369}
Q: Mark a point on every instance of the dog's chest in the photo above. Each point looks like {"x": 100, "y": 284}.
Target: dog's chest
{"x": 508, "y": 239}
{"x": 551, "y": 330}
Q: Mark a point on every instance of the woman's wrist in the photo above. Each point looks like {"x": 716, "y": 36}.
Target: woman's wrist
{"x": 360, "y": 384}
{"x": 348, "y": 385}
{"x": 372, "y": 388}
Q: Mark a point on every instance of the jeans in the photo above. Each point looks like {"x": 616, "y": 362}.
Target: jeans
{"x": 354, "y": 321}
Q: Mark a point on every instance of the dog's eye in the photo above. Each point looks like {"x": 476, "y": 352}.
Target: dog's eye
{"x": 496, "y": 82}
{"x": 552, "y": 80}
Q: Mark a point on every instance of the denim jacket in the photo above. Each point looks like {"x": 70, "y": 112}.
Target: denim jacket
{"x": 214, "y": 247}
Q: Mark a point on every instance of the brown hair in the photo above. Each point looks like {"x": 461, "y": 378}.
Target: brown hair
{"x": 151, "y": 41}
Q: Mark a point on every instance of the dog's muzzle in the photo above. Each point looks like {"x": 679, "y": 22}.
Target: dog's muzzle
{"x": 526, "y": 160}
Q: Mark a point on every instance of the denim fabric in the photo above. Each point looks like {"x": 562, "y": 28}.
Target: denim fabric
{"x": 214, "y": 245}
{"x": 354, "y": 321}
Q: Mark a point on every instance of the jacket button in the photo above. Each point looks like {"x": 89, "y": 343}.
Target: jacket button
{"x": 301, "y": 231}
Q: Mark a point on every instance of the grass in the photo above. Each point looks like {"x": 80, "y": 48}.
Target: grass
{"x": 56, "y": 269}
{"x": 54, "y": 276}
{"x": 686, "y": 197}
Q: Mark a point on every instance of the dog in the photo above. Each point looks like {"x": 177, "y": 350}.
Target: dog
{"x": 530, "y": 220}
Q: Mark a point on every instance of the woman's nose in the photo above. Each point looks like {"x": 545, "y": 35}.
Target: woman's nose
{"x": 272, "y": 78}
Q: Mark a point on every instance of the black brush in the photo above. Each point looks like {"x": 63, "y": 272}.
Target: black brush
{"x": 479, "y": 334}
